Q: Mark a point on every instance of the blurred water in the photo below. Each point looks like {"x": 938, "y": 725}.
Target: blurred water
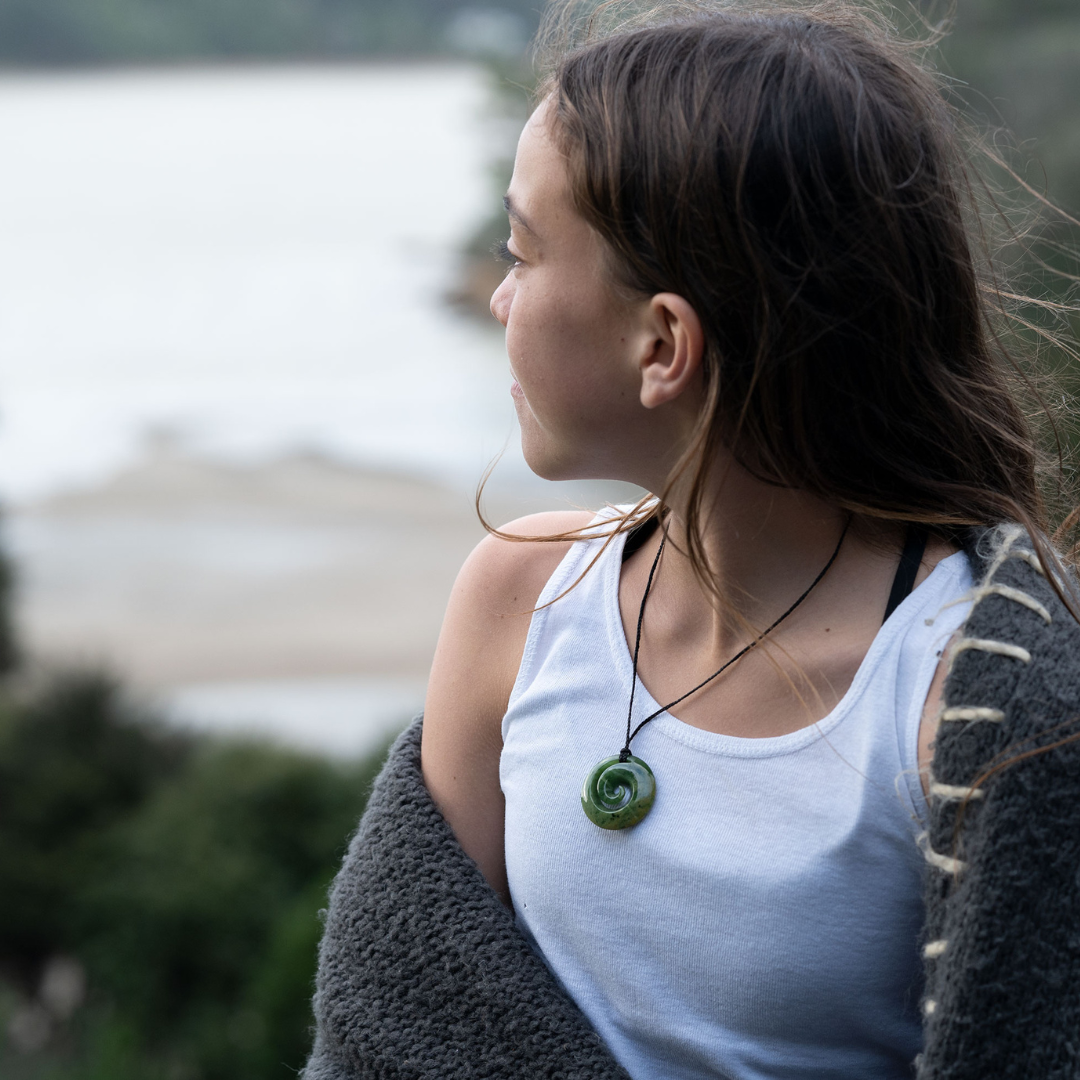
{"x": 254, "y": 261}
{"x": 254, "y": 258}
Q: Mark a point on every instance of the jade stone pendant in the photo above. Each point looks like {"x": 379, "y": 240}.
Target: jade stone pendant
{"x": 618, "y": 794}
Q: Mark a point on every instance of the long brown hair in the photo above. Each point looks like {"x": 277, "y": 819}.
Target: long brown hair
{"x": 797, "y": 174}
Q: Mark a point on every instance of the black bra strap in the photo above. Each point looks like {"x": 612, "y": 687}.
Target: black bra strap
{"x": 637, "y": 537}
{"x": 903, "y": 582}
{"x": 907, "y": 571}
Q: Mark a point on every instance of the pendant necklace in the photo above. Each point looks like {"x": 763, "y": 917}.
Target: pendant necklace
{"x": 619, "y": 791}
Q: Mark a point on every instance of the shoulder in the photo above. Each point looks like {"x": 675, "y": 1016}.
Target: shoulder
{"x": 473, "y": 672}
{"x": 487, "y": 617}
{"x": 503, "y": 578}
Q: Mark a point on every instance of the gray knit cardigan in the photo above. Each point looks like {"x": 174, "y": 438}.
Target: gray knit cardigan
{"x": 423, "y": 974}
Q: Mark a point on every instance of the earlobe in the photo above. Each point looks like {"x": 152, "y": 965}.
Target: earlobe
{"x": 675, "y": 349}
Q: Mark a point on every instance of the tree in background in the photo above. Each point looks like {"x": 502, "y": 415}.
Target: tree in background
{"x": 1014, "y": 68}
{"x": 159, "y": 894}
{"x": 1020, "y": 58}
{"x": 1015, "y": 62}
{"x": 1020, "y": 55}
{"x": 111, "y": 31}
{"x": 8, "y": 654}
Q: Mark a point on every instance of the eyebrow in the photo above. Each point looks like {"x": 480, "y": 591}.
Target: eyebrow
{"x": 515, "y": 215}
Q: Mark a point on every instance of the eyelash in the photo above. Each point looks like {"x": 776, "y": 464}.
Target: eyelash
{"x": 503, "y": 253}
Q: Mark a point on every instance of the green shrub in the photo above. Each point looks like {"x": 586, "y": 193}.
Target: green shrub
{"x": 186, "y": 876}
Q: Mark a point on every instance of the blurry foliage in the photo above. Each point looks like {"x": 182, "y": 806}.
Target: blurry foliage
{"x": 109, "y": 31}
{"x": 1015, "y": 65}
{"x": 70, "y": 768}
{"x": 512, "y": 81}
{"x": 1021, "y": 59}
{"x": 184, "y": 876}
{"x": 8, "y": 650}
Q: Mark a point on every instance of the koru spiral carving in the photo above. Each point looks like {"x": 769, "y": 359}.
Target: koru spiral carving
{"x": 618, "y": 794}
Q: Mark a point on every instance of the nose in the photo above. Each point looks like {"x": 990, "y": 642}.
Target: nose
{"x": 500, "y": 299}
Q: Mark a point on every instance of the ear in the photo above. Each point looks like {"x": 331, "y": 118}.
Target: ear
{"x": 676, "y": 344}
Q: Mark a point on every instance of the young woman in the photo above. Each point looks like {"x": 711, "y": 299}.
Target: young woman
{"x": 689, "y": 742}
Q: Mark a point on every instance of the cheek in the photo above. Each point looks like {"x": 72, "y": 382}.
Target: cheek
{"x": 549, "y": 323}
{"x": 563, "y": 340}
{"x": 534, "y": 327}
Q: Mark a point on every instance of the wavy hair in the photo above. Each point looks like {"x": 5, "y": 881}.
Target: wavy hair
{"x": 798, "y": 174}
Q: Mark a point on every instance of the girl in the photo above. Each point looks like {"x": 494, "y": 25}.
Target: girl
{"x": 689, "y": 742}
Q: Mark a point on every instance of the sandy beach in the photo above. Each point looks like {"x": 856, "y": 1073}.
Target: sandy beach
{"x": 181, "y": 570}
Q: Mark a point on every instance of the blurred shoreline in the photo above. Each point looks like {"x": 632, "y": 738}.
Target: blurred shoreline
{"x": 298, "y": 599}
{"x": 253, "y": 261}
{"x": 184, "y": 569}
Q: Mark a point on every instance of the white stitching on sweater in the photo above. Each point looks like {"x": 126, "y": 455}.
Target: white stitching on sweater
{"x": 1029, "y": 557}
{"x": 1009, "y": 534}
{"x": 973, "y": 596}
{"x": 1009, "y": 593}
{"x": 934, "y": 949}
{"x": 952, "y": 791}
{"x": 972, "y": 712}
{"x": 1001, "y": 648}
{"x": 942, "y": 862}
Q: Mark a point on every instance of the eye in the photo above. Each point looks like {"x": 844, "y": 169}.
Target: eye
{"x": 502, "y": 252}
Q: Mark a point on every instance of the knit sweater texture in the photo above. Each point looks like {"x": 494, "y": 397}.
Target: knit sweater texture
{"x": 423, "y": 974}
{"x": 1002, "y": 934}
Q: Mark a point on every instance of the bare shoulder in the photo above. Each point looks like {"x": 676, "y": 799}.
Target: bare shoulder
{"x": 473, "y": 672}
{"x": 487, "y": 618}
{"x": 501, "y": 580}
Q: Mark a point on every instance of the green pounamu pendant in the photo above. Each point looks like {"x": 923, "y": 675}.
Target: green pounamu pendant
{"x": 618, "y": 794}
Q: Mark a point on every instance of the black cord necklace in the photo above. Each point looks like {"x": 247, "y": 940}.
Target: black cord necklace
{"x": 619, "y": 791}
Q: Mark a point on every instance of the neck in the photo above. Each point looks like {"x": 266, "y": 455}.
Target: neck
{"x": 762, "y": 544}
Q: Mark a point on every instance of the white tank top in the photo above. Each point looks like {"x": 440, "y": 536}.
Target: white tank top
{"x": 762, "y": 921}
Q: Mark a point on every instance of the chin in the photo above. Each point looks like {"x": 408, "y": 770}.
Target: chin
{"x": 554, "y": 466}
{"x": 546, "y": 469}
{"x": 546, "y": 464}
{"x": 554, "y": 459}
